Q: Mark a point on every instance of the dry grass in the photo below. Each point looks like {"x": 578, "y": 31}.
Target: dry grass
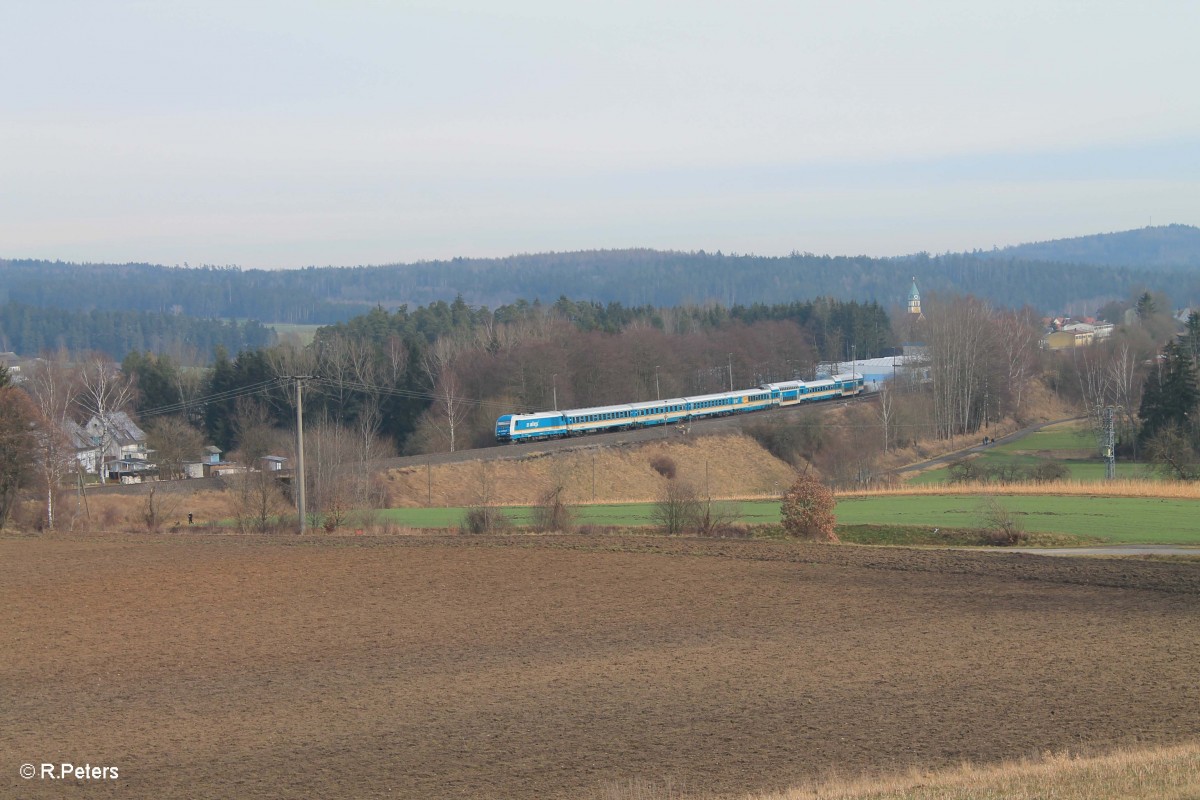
{"x": 1160, "y": 773}
{"x": 1169, "y": 490}
{"x": 732, "y": 466}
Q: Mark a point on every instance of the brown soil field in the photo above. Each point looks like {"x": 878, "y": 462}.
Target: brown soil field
{"x": 558, "y": 667}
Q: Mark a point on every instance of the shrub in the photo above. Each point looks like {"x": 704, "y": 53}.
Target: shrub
{"x": 552, "y": 514}
{"x": 678, "y": 508}
{"x": 1000, "y": 526}
{"x": 665, "y": 466}
{"x": 1049, "y": 471}
{"x": 714, "y": 519}
{"x": 484, "y": 519}
{"x": 789, "y": 442}
{"x": 967, "y": 470}
{"x": 807, "y": 510}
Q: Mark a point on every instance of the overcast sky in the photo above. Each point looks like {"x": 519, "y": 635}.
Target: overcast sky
{"x": 294, "y": 133}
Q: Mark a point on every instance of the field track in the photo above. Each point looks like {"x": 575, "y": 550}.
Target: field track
{"x": 550, "y": 667}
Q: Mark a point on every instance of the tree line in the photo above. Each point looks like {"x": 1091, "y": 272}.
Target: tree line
{"x": 29, "y": 330}
{"x": 633, "y": 278}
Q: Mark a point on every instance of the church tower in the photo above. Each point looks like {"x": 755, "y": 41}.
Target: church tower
{"x": 914, "y": 302}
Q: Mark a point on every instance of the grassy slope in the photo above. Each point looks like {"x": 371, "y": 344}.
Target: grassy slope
{"x": 1071, "y": 443}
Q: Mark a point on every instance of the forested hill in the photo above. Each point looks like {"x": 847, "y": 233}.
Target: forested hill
{"x": 1149, "y": 248}
{"x": 631, "y": 277}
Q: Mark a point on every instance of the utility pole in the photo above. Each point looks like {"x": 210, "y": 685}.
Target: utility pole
{"x": 554, "y": 382}
{"x": 731, "y": 372}
{"x": 1110, "y": 445}
{"x": 657, "y": 390}
{"x": 299, "y": 476}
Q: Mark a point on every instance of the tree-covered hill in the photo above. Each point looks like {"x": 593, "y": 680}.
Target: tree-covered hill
{"x": 31, "y": 331}
{"x": 1169, "y": 246}
{"x": 1158, "y": 259}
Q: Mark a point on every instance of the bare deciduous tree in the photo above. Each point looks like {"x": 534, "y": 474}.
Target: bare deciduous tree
{"x": 104, "y": 391}
{"x": 678, "y": 508}
{"x": 450, "y": 405}
{"x": 887, "y": 412}
{"x": 174, "y": 442}
{"x": 53, "y": 384}
{"x": 958, "y": 344}
{"x": 1017, "y": 336}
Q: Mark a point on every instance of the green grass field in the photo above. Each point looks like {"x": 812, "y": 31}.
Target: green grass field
{"x": 304, "y": 333}
{"x": 1070, "y": 443}
{"x": 1107, "y": 519}
{"x": 1111, "y": 519}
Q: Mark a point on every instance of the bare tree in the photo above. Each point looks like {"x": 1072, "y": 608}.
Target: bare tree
{"x": 104, "y": 392}
{"x": 1017, "y": 336}
{"x": 450, "y": 405}
{"x": 887, "y": 411}
{"x": 678, "y": 508}
{"x": 174, "y": 442}
{"x": 53, "y": 384}
{"x": 959, "y": 339}
{"x": 258, "y": 502}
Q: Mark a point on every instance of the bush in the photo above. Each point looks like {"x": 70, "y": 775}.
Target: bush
{"x": 484, "y": 519}
{"x": 789, "y": 442}
{"x": 664, "y": 465}
{"x": 807, "y": 510}
{"x": 1049, "y": 471}
{"x": 678, "y": 509}
{"x": 1000, "y": 526}
{"x": 552, "y": 514}
{"x": 967, "y": 470}
{"x": 715, "y": 519}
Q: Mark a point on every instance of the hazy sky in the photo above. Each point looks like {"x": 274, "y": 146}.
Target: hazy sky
{"x": 273, "y": 134}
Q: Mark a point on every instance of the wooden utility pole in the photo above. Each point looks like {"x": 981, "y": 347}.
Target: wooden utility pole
{"x": 299, "y": 476}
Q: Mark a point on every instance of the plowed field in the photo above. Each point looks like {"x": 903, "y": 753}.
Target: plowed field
{"x": 529, "y": 667}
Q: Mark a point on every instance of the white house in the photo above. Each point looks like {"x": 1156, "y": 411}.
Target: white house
{"x": 111, "y": 438}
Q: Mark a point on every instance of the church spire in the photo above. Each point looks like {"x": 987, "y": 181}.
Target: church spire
{"x": 914, "y": 299}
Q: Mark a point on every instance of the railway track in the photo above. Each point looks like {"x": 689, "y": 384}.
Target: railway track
{"x": 707, "y": 427}
{"x": 499, "y": 452}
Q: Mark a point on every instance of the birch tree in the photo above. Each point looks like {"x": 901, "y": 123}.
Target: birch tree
{"x": 959, "y": 340}
{"x": 53, "y": 384}
{"x": 104, "y": 390}
{"x": 450, "y": 406}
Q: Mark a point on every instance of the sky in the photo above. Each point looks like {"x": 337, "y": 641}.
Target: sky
{"x": 288, "y": 134}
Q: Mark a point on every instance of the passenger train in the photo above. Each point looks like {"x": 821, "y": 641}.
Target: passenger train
{"x": 603, "y": 419}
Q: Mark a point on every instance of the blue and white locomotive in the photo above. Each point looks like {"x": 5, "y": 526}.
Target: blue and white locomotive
{"x": 579, "y": 421}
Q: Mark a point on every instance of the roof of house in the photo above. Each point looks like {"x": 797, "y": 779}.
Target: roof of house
{"x": 123, "y": 430}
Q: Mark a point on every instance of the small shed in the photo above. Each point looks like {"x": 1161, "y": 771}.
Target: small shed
{"x": 272, "y": 463}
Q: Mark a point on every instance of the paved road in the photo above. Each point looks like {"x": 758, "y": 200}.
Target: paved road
{"x": 948, "y": 458}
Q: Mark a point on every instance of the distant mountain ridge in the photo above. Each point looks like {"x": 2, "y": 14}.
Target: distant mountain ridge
{"x": 1163, "y": 246}
{"x": 1076, "y": 275}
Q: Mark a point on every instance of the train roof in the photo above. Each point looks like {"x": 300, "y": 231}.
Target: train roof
{"x": 538, "y": 415}
{"x": 579, "y": 412}
{"x": 700, "y": 398}
{"x": 657, "y": 403}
